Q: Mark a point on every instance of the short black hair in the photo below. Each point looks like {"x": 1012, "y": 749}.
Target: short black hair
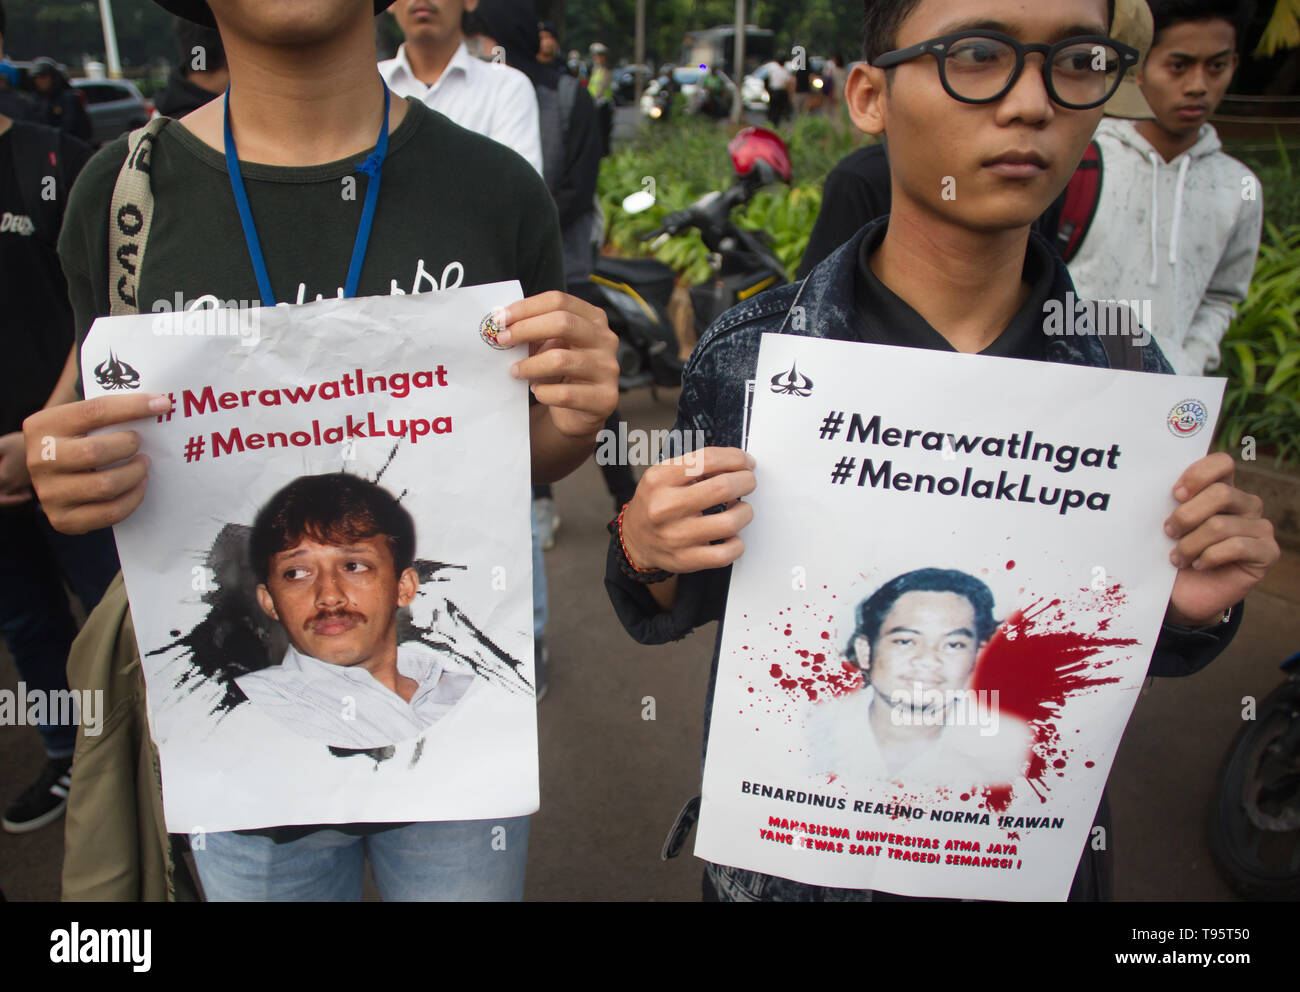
{"x": 331, "y": 509}
{"x": 881, "y": 20}
{"x": 190, "y": 36}
{"x": 871, "y": 611}
{"x": 1238, "y": 13}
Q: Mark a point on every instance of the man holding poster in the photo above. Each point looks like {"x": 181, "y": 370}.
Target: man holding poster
{"x": 287, "y": 218}
{"x": 988, "y": 106}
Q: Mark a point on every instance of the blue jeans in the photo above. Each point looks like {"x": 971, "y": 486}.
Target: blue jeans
{"x": 443, "y": 861}
{"x": 539, "y": 588}
{"x": 35, "y": 617}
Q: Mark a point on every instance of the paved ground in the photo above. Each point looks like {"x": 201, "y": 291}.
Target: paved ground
{"x": 612, "y": 781}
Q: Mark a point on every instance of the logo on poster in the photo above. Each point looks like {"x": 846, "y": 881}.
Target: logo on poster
{"x": 1187, "y": 418}
{"x": 113, "y": 373}
{"x": 792, "y": 383}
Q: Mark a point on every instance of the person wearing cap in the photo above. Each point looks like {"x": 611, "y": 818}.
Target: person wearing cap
{"x": 434, "y": 65}
{"x": 957, "y": 275}
{"x": 857, "y": 190}
{"x": 548, "y": 44}
{"x": 452, "y": 203}
{"x": 57, "y": 103}
{"x": 1178, "y": 220}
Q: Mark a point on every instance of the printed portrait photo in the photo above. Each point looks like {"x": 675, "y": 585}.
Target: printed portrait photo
{"x": 918, "y": 718}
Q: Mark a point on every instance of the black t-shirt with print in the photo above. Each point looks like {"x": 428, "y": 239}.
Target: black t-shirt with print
{"x": 35, "y": 317}
{"x": 455, "y": 208}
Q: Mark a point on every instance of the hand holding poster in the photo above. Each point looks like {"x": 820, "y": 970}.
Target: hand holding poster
{"x": 330, "y": 576}
{"x": 943, "y": 614}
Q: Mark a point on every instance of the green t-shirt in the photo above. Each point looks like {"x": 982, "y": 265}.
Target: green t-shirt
{"x": 455, "y": 208}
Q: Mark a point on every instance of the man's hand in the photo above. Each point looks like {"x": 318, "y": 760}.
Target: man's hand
{"x": 573, "y": 359}
{"x": 1225, "y": 546}
{"x": 664, "y": 526}
{"x": 77, "y": 490}
{"x": 14, "y": 481}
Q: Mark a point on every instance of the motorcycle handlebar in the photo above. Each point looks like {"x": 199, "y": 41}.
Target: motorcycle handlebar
{"x": 673, "y": 224}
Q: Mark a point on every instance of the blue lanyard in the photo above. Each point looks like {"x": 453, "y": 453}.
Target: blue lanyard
{"x": 372, "y": 167}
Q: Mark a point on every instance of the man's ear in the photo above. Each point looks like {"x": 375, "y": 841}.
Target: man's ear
{"x": 408, "y": 584}
{"x": 862, "y": 655}
{"x": 471, "y": 6}
{"x": 863, "y": 95}
{"x": 265, "y": 602}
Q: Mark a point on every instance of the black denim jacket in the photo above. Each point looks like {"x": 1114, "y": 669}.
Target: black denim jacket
{"x": 713, "y": 401}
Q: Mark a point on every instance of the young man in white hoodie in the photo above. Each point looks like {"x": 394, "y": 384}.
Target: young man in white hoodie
{"x": 1178, "y": 222}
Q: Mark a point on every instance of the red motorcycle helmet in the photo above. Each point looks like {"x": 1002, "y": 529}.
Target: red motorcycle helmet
{"x": 760, "y": 154}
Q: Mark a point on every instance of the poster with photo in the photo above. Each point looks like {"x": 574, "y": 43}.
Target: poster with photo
{"x": 947, "y": 605}
{"x": 330, "y": 574}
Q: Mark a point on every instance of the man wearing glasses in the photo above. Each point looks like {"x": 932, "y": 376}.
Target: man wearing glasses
{"x": 988, "y": 106}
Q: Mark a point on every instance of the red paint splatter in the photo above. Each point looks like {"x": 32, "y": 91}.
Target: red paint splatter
{"x": 1035, "y": 661}
{"x": 1011, "y": 564}
{"x": 997, "y": 797}
{"x": 822, "y": 681}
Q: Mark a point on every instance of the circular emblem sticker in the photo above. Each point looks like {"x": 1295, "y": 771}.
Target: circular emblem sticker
{"x": 489, "y": 329}
{"x": 1187, "y": 418}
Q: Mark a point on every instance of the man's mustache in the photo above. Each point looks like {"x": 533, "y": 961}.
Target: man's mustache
{"x": 322, "y": 616}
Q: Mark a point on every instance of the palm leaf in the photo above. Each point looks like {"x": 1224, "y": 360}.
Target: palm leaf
{"x": 1283, "y": 30}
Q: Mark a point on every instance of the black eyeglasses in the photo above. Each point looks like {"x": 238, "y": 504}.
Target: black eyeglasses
{"x": 982, "y": 66}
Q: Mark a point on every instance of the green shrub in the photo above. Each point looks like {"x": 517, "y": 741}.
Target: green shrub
{"x": 1277, "y": 176}
{"x": 1261, "y": 355}
{"x": 687, "y": 157}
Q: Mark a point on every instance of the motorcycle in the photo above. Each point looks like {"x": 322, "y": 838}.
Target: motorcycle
{"x": 635, "y": 292}
{"x": 657, "y": 101}
{"x": 1254, "y": 821}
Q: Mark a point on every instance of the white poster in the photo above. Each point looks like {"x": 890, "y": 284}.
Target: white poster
{"x": 331, "y": 575}
{"x": 951, "y": 589}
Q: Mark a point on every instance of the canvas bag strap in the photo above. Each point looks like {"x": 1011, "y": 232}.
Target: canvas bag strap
{"x": 131, "y": 214}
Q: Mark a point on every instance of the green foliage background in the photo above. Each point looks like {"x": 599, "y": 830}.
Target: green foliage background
{"x": 687, "y": 158}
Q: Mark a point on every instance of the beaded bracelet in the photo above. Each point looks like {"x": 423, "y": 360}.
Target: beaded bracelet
{"x": 646, "y": 576}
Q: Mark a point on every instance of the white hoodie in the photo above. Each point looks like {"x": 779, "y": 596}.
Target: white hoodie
{"x": 1181, "y": 234}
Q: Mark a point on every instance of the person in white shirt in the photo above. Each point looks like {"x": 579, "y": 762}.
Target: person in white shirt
{"x": 333, "y": 556}
{"x": 434, "y": 66}
{"x": 780, "y": 91}
{"x": 916, "y": 720}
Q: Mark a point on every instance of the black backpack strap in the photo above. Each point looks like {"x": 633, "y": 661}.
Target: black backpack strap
{"x": 38, "y": 155}
{"x": 1123, "y": 351}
